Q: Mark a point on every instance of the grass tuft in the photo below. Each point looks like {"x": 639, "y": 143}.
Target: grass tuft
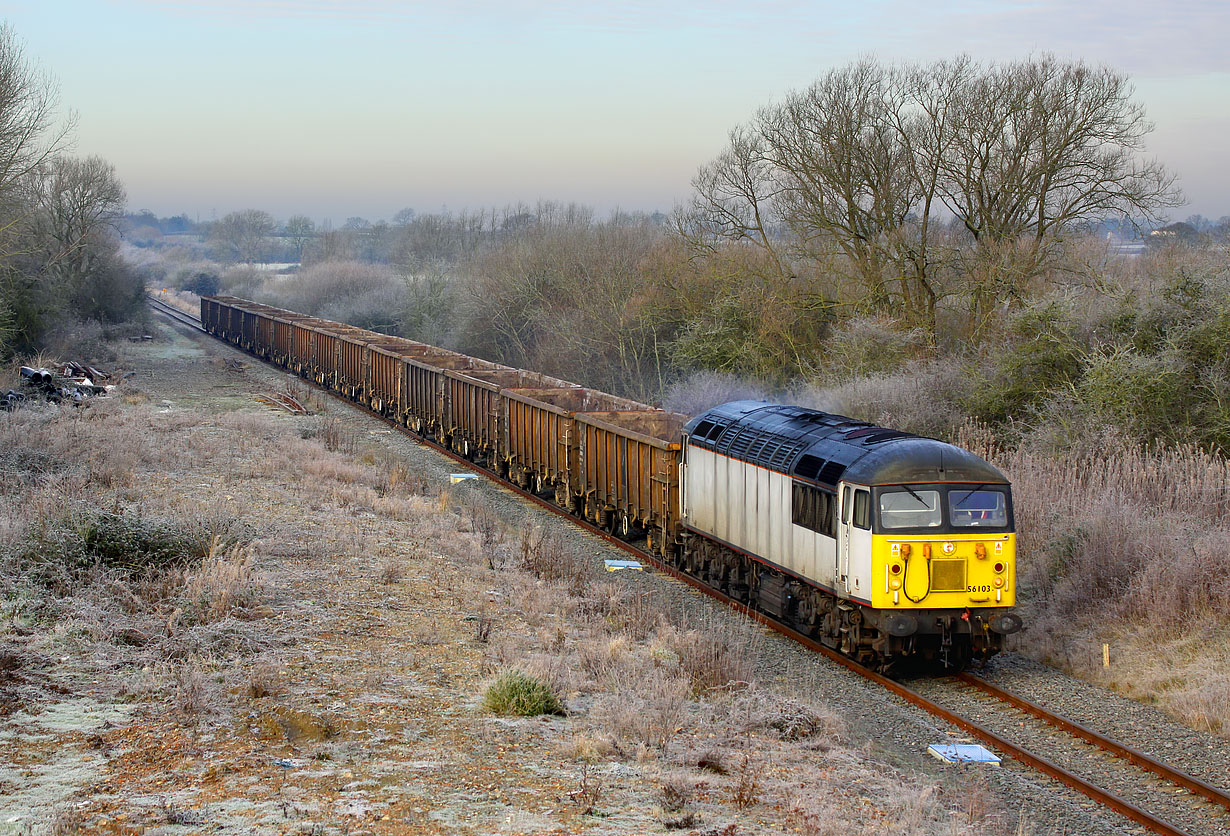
{"x": 519, "y": 694}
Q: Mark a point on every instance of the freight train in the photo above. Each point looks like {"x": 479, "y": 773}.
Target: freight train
{"x": 881, "y": 544}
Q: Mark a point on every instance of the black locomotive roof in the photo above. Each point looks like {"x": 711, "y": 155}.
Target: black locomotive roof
{"x": 827, "y": 448}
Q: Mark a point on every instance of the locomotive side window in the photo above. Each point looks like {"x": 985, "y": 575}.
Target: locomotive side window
{"x": 977, "y": 508}
{"x": 862, "y": 509}
{"x": 910, "y": 509}
{"x": 815, "y": 509}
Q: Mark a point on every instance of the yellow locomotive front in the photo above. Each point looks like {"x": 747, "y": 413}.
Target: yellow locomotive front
{"x": 943, "y": 564}
{"x": 944, "y": 546}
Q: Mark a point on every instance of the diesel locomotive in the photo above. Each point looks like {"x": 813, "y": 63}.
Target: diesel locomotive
{"x": 884, "y": 545}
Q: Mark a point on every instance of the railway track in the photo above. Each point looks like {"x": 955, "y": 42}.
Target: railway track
{"x": 175, "y": 313}
{"x": 1137, "y": 777}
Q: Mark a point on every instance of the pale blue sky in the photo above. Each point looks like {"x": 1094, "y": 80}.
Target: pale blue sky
{"x": 336, "y": 108}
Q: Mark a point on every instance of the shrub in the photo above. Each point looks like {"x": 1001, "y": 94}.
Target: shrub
{"x": 56, "y": 548}
{"x": 520, "y": 694}
{"x": 924, "y": 398}
{"x": 704, "y": 390}
{"x": 1042, "y": 356}
{"x": 871, "y": 345}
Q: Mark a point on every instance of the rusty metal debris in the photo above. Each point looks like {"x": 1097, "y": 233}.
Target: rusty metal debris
{"x": 282, "y": 400}
{"x": 66, "y": 382}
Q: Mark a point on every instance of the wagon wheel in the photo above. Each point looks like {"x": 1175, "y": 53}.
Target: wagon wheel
{"x": 623, "y": 525}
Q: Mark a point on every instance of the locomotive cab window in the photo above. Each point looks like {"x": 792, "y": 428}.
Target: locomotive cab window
{"x": 910, "y": 509}
{"x": 981, "y": 508}
{"x": 862, "y": 509}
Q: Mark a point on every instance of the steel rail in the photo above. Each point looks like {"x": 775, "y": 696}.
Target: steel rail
{"x": 1041, "y": 764}
{"x": 175, "y": 313}
{"x": 1175, "y": 776}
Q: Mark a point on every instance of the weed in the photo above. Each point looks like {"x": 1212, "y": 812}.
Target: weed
{"x": 709, "y": 658}
{"x": 646, "y": 711}
{"x": 746, "y": 790}
{"x": 194, "y": 694}
{"x": 391, "y": 570}
{"x": 265, "y": 680}
{"x": 222, "y": 585}
{"x": 676, "y": 791}
{"x": 713, "y": 760}
{"x": 544, "y": 555}
{"x": 333, "y": 435}
{"x": 587, "y": 794}
{"x": 586, "y": 747}
{"x": 683, "y": 821}
{"x": 483, "y": 623}
{"x": 520, "y": 694}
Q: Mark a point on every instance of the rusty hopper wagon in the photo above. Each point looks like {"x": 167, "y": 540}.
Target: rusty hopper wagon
{"x": 476, "y": 413}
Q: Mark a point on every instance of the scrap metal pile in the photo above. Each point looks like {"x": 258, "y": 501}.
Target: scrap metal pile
{"x": 67, "y": 382}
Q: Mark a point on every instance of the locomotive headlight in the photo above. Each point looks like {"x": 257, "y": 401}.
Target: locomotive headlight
{"x": 999, "y": 582}
{"x": 999, "y": 568}
{"x": 894, "y": 583}
{"x": 895, "y": 568}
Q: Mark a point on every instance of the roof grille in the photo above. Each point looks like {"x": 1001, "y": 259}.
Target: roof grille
{"x": 830, "y": 474}
{"x": 808, "y": 466}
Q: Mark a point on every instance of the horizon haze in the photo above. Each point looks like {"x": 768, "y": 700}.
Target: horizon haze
{"x": 361, "y": 109}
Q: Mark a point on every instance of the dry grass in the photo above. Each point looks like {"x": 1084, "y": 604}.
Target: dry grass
{"x": 1130, "y": 545}
{"x": 223, "y": 585}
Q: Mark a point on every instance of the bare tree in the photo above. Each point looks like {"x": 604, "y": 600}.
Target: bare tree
{"x": 300, "y": 229}
{"x": 79, "y": 200}
{"x": 734, "y": 198}
{"x": 244, "y": 234}
{"x": 28, "y": 102}
{"x": 869, "y": 161}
